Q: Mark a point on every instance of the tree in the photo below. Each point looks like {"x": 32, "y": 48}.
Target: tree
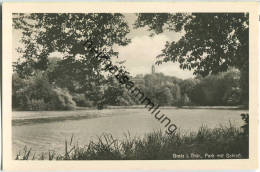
{"x": 164, "y": 96}
{"x": 176, "y": 93}
{"x": 17, "y": 84}
{"x": 113, "y": 91}
{"x": 220, "y": 89}
{"x": 67, "y": 33}
{"x": 36, "y": 93}
{"x": 187, "y": 86}
{"x": 211, "y": 43}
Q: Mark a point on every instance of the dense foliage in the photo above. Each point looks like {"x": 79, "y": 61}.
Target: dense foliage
{"x": 67, "y": 33}
{"x": 36, "y": 93}
{"x": 210, "y": 43}
{"x": 41, "y": 93}
{"x": 220, "y": 89}
{"x": 213, "y": 45}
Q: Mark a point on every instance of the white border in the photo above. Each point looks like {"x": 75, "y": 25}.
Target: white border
{"x": 129, "y": 7}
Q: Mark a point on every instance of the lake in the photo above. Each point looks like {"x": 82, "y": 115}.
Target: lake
{"x": 47, "y": 130}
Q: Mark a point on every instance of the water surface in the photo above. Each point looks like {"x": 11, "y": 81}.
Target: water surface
{"x": 44, "y": 131}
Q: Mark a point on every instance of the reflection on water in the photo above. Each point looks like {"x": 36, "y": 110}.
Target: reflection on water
{"x": 50, "y": 134}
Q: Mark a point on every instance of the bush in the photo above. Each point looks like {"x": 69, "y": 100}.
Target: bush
{"x": 35, "y": 105}
{"x": 81, "y": 100}
{"x": 61, "y": 100}
{"x": 36, "y": 93}
{"x": 245, "y": 127}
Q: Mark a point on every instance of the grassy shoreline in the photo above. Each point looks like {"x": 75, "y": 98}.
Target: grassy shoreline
{"x": 231, "y": 142}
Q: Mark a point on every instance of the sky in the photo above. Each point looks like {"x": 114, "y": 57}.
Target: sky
{"x": 140, "y": 54}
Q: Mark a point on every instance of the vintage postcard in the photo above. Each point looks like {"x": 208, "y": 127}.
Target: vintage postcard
{"x": 130, "y": 86}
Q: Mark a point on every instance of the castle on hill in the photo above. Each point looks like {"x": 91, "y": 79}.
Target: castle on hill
{"x": 159, "y": 77}
{"x": 153, "y": 69}
{"x": 139, "y": 79}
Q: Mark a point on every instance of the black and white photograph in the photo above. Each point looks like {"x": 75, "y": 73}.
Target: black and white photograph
{"x": 130, "y": 86}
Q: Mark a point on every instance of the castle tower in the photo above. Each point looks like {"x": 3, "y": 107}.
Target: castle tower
{"x": 153, "y": 69}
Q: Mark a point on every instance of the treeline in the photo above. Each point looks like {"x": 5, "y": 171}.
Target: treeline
{"x": 50, "y": 90}
{"x": 213, "y": 90}
{"x": 61, "y": 87}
